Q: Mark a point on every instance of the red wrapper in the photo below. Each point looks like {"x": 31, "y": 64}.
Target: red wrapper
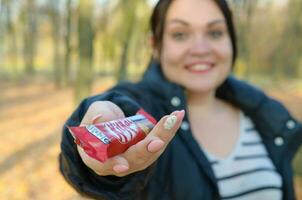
{"x": 104, "y": 140}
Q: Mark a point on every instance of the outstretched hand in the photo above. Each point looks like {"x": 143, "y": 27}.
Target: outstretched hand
{"x": 137, "y": 157}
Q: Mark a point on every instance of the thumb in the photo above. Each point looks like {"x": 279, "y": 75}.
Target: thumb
{"x": 102, "y": 111}
{"x": 163, "y": 132}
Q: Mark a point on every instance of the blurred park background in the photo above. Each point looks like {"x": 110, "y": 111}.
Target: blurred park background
{"x": 55, "y": 52}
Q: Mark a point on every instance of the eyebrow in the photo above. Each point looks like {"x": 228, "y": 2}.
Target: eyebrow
{"x": 212, "y": 23}
{"x": 217, "y": 21}
{"x": 179, "y": 21}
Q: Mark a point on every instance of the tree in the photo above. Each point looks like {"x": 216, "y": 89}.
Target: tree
{"x": 8, "y": 33}
{"x": 11, "y": 33}
{"x": 30, "y": 34}
{"x": 67, "y": 41}
{"x": 55, "y": 15}
{"x": 131, "y": 31}
{"x": 84, "y": 75}
{"x": 244, "y": 11}
{"x": 129, "y": 12}
{"x": 122, "y": 27}
{"x": 108, "y": 41}
{"x": 2, "y": 28}
{"x": 287, "y": 56}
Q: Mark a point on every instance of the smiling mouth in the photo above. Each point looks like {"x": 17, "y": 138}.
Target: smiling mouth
{"x": 199, "y": 68}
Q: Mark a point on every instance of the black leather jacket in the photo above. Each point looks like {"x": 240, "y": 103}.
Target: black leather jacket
{"x": 182, "y": 171}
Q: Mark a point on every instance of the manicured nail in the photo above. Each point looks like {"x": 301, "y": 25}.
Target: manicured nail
{"x": 170, "y": 122}
{"x": 96, "y": 118}
{"x": 120, "y": 168}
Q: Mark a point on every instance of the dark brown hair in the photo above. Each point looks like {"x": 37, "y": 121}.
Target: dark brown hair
{"x": 158, "y": 17}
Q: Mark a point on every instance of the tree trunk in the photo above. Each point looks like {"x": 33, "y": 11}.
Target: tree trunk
{"x": 2, "y": 29}
{"x": 30, "y": 36}
{"x": 4, "y": 26}
{"x": 129, "y": 8}
{"x": 56, "y": 36}
{"x": 288, "y": 54}
{"x": 122, "y": 74}
{"x": 12, "y": 41}
{"x": 245, "y": 11}
{"x": 85, "y": 39}
{"x": 67, "y": 42}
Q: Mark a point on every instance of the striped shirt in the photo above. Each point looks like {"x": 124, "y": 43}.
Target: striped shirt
{"x": 247, "y": 173}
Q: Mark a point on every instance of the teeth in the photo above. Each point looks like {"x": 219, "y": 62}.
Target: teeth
{"x": 200, "y": 67}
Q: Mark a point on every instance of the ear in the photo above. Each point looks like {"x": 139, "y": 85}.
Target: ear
{"x": 155, "y": 51}
{"x": 151, "y": 40}
{"x": 155, "y": 54}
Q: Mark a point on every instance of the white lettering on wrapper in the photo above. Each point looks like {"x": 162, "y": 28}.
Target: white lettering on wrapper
{"x": 123, "y": 130}
{"x": 97, "y": 133}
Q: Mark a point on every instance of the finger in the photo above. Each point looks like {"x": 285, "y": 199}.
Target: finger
{"x": 120, "y": 164}
{"x": 157, "y": 139}
{"x": 166, "y": 128}
{"x": 115, "y": 165}
{"x": 94, "y": 164}
{"x": 162, "y": 133}
{"x": 102, "y": 111}
{"x": 155, "y": 145}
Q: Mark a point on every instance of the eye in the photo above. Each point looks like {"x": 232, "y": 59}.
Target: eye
{"x": 179, "y": 36}
{"x": 216, "y": 34}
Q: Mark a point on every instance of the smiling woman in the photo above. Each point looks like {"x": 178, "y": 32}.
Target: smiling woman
{"x": 196, "y": 50}
{"x": 228, "y": 140}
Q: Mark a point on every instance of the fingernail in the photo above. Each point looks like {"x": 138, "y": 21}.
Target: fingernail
{"x": 96, "y": 118}
{"x": 120, "y": 168}
{"x": 155, "y": 146}
{"x": 170, "y": 122}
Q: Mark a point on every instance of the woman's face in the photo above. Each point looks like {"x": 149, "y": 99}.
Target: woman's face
{"x": 196, "y": 50}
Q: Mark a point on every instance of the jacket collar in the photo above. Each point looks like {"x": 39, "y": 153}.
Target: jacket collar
{"x": 158, "y": 83}
{"x": 271, "y": 115}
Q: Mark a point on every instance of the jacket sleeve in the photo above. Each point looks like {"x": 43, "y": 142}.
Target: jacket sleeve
{"x": 82, "y": 178}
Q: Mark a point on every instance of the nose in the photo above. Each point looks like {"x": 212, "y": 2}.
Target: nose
{"x": 200, "y": 46}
